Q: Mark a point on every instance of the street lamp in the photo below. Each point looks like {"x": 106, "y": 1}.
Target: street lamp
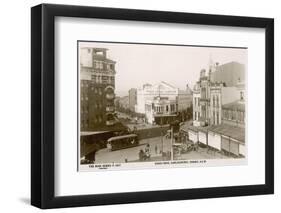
{"x": 172, "y": 151}
{"x": 161, "y": 125}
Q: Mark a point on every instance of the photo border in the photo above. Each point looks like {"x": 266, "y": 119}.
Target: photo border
{"x": 132, "y": 43}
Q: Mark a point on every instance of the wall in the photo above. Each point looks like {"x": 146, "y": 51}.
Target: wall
{"x": 15, "y": 106}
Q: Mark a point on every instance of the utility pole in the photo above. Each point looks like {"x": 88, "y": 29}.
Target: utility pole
{"x": 172, "y": 151}
{"x": 162, "y": 137}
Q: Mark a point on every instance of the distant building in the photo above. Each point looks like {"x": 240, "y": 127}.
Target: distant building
{"x": 184, "y": 99}
{"x": 132, "y": 99}
{"x": 230, "y": 73}
{"x": 160, "y": 110}
{"x": 148, "y": 92}
{"x": 97, "y": 85}
{"x": 162, "y": 102}
{"x": 234, "y": 113}
{"x": 124, "y": 102}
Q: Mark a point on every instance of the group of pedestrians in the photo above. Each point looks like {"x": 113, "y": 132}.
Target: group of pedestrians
{"x": 145, "y": 154}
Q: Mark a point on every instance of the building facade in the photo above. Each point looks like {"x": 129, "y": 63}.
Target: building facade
{"x": 132, "y": 99}
{"x": 219, "y": 109}
{"x": 184, "y": 99}
{"x": 97, "y": 86}
{"x": 160, "y": 110}
{"x": 124, "y": 103}
{"x": 161, "y": 103}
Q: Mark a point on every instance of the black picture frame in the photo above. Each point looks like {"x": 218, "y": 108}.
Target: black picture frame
{"x": 43, "y": 105}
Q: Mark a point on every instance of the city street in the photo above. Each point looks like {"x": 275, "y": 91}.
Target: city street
{"x": 132, "y": 154}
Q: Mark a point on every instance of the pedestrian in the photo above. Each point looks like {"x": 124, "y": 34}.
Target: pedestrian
{"x": 156, "y": 149}
{"x": 147, "y": 151}
{"x": 141, "y": 155}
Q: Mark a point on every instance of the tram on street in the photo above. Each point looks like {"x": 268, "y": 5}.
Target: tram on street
{"x": 122, "y": 142}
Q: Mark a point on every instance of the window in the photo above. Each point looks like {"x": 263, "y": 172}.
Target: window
{"x": 241, "y": 96}
{"x": 172, "y": 108}
{"x": 232, "y": 115}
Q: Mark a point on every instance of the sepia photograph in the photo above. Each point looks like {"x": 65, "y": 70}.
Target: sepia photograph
{"x": 160, "y": 105}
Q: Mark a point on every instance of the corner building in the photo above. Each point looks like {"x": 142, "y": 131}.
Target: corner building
{"x": 97, "y": 86}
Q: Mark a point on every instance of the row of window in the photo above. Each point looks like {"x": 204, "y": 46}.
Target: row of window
{"x": 196, "y": 102}
{"x": 84, "y": 97}
{"x": 161, "y": 109}
{"x": 196, "y": 115}
{"x": 102, "y": 65}
{"x": 234, "y": 115}
{"x": 215, "y": 101}
{"x": 96, "y": 90}
{"x": 84, "y": 83}
{"x": 216, "y": 118}
{"x": 203, "y": 92}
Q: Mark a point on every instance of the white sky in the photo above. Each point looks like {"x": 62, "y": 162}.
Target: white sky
{"x": 137, "y": 64}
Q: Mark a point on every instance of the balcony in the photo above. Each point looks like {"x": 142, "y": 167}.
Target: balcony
{"x": 204, "y": 100}
{"x": 110, "y": 96}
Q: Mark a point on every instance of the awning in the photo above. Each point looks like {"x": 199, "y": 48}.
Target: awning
{"x": 235, "y": 132}
{"x": 91, "y": 133}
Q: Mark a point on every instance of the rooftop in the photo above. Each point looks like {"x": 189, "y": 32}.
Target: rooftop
{"x": 236, "y": 105}
{"x": 234, "y": 132}
{"x": 196, "y": 128}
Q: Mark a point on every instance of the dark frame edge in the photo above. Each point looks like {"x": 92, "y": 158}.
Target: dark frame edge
{"x": 36, "y": 85}
{"x": 269, "y": 105}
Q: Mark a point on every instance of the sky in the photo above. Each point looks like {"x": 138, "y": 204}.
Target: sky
{"x": 137, "y": 64}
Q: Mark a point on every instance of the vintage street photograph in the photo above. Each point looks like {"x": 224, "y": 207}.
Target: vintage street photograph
{"x": 147, "y": 104}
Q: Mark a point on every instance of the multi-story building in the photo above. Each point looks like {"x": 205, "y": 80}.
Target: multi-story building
{"x": 132, "y": 99}
{"x": 148, "y": 92}
{"x": 234, "y": 113}
{"x": 97, "y": 83}
{"x": 160, "y": 110}
{"x": 162, "y": 102}
{"x": 209, "y": 94}
{"x": 196, "y": 104}
{"x": 219, "y": 109}
{"x": 230, "y": 73}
